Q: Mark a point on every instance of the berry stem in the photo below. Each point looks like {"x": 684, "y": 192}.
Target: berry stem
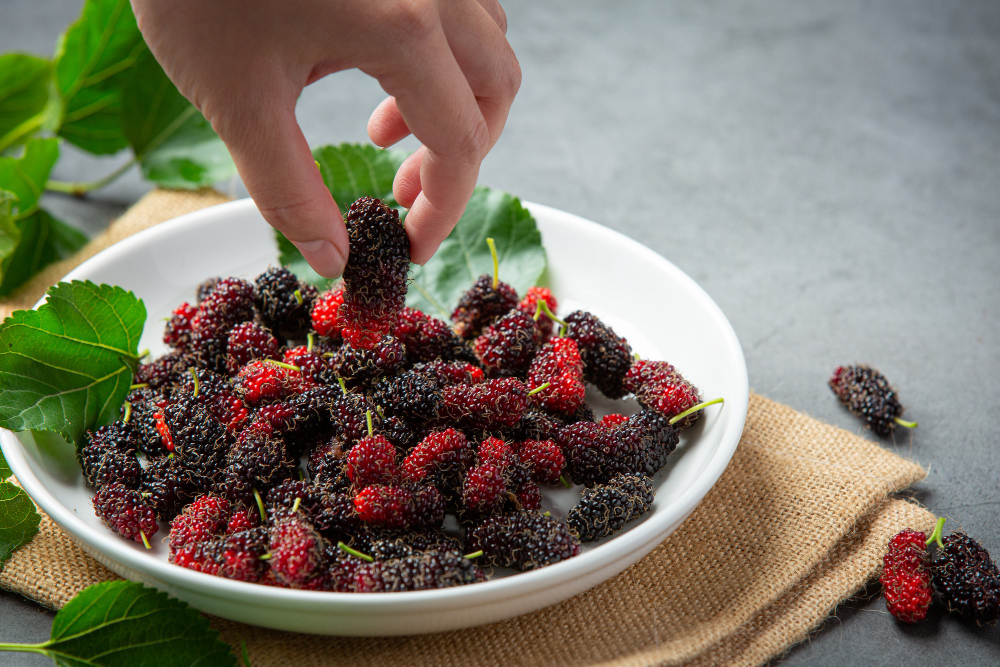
{"x": 368, "y": 420}
{"x": 194, "y": 374}
{"x": 696, "y": 408}
{"x": 266, "y": 556}
{"x": 282, "y": 364}
{"x": 144, "y": 540}
{"x": 539, "y": 388}
{"x": 936, "y": 535}
{"x": 903, "y": 422}
{"x": 474, "y": 554}
{"x": 128, "y": 412}
{"x": 354, "y": 552}
{"x": 343, "y": 385}
{"x": 295, "y": 505}
{"x": 298, "y": 297}
{"x": 565, "y": 482}
{"x": 496, "y": 262}
{"x": 544, "y": 307}
{"x": 260, "y": 505}
{"x": 310, "y": 340}
{"x": 141, "y": 385}
{"x": 144, "y": 353}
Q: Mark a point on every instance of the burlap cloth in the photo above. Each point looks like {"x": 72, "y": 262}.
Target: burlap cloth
{"x": 797, "y": 524}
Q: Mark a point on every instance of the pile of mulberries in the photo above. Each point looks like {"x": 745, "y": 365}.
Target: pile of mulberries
{"x": 426, "y": 443}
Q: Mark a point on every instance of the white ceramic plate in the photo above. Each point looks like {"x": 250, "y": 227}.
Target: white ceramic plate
{"x": 657, "y": 307}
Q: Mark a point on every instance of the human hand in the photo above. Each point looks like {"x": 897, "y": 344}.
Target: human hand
{"x": 446, "y": 64}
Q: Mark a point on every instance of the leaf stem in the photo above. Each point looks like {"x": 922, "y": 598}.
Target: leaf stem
{"x": 78, "y": 189}
{"x": 696, "y": 408}
{"x": 27, "y": 648}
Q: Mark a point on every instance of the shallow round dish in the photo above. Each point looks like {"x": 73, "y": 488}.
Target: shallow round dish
{"x": 662, "y": 311}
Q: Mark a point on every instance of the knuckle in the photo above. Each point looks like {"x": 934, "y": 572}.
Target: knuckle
{"x": 413, "y": 19}
{"x": 475, "y": 142}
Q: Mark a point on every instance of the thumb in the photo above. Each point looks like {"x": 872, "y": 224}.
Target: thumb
{"x": 280, "y": 174}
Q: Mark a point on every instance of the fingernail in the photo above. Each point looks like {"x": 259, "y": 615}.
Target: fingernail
{"x": 323, "y": 256}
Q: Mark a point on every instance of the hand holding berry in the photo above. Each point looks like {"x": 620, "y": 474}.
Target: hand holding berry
{"x": 449, "y": 71}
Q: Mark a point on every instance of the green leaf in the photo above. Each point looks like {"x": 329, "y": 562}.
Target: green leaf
{"x": 352, "y": 171}
{"x": 124, "y": 624}
{"x": 464, "y": 256}
{"x": 18, "y": 518}
{"x": 67, "y": 366}
{"x": 25, "y": 176}
{"x": 43, "y": 240}
{"x": 175, "y": 145}
{"x": 90, "y": 66}
{"x": 4, "y": 468}
{"x": 10, "y": 233}
{"x": 31, "y": 239}
{"x": 25, "y": 86}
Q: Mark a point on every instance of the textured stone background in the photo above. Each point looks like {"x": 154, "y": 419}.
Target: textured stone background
{"x": 829, "y": 173}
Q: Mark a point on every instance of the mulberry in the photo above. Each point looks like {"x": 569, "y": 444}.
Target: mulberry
{"x": 867, "y": 394}
{"x": 606, "y": 508}
{"x": 606, "y": 356}
{"x": 967, "y": 579}
{"x": 283, "y": 302}
{"x": 376, "y": 272}
{"x": 522, "y": 541}
{"x": 658, "y": 386}
{"x": 506, "y": 347}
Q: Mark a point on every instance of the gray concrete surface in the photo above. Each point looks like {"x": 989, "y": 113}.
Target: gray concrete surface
{"x": 829, "y": 172}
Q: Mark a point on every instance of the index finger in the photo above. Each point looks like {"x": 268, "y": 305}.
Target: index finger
{"x": 438, "y": 105}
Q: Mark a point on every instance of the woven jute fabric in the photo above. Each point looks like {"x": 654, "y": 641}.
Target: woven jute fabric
{"x": 797, "y": 524}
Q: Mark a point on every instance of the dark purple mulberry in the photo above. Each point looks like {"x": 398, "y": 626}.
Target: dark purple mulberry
{"x": 376, "y": 273}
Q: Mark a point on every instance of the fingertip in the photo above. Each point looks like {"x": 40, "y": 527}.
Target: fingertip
{"x": 324, "y": 256}
{"x": 386, "y": 125}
